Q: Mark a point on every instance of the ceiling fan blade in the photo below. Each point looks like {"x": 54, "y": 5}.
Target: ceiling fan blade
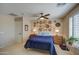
{"x": 47, "y": 15}
{"x": 41, "y": 14}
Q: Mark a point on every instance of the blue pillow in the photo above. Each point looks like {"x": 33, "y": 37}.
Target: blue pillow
{"x": 45, "y": 33}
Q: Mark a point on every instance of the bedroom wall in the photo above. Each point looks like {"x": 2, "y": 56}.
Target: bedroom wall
{"x": 28, "y": 21}
{"x": 7, "y": 31}
{"x": 66, "y": 21}
{"x": 60, "y": 28}
{"x": 51, "y": 26}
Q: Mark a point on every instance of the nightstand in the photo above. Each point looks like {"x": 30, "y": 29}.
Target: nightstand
{"x": 58, "y": 39}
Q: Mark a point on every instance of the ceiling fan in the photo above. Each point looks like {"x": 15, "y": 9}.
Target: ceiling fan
{"x": 43, "y": 16}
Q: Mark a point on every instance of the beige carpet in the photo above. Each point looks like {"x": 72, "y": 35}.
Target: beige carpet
{"x": 18, "y": 49}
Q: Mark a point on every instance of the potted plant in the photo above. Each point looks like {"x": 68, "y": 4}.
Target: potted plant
{"x": 71, "y": 40}
{"x": 73, "y": 44}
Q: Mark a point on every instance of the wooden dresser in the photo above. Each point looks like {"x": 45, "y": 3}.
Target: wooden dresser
{"x": 58, "y": 39}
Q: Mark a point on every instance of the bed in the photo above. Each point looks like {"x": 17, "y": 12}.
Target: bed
{"x": 41, "y": 42}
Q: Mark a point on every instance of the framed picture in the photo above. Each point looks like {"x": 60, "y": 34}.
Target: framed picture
{"x": 26, "y": 27}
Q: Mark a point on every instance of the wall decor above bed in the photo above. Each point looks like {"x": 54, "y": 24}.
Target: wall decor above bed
{"x": 46, "y": 25}
{"x": 57, "y": 24}
{"x": 42, "y": 25}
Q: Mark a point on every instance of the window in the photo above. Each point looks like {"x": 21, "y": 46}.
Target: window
{"x": 74, "y": 26}
{"x": 70, "y": 27}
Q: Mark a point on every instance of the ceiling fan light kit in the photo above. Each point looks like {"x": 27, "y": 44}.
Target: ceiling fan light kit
{"x": 41, "y": 18}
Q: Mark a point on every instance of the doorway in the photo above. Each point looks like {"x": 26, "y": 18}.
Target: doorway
{"x": 19, "y": 29}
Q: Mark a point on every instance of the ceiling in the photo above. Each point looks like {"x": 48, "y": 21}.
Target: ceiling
{"x": 34, "y": 9}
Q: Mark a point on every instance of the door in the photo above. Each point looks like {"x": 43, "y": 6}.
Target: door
{"x": 19, "y": 29}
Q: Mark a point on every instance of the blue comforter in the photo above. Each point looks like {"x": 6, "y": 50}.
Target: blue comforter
{"x": 41, "y": 42}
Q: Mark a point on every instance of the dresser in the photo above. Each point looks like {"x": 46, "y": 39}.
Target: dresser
{"x": 58, "y": 39}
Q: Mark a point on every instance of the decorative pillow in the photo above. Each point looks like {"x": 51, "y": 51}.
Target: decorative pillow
{"x": 44, "y": 34}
